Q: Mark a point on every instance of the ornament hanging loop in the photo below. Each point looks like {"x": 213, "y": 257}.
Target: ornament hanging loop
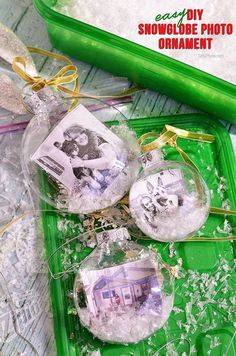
{"x": 169, "y": 136}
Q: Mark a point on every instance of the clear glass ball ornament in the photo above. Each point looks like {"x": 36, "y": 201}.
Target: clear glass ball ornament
{"x": 170, "y": 201}
{"x": 122, "y": 293}
{"x": 75, "y": 162}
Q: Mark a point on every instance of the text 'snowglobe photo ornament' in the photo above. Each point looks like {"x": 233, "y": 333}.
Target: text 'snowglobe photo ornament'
{"x": 170, "y": 201}
{"x": 75, "y": 162}
{"x": 121, "y": 292}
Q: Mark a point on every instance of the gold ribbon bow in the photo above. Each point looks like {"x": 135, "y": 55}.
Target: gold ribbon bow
{"x": 68, "y": 74}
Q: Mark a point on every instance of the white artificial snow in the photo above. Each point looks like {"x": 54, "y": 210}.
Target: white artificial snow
{"x": 185, "y": 222}
{"x": 204, "y": 291}
{"x": 122, "y": 18}
{"x": 129, "y": 327}
{"x": 115, "y": 191}
{"x": 227, "y": 228}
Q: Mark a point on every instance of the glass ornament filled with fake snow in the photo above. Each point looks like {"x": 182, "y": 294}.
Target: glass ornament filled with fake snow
{"x": 170, "y": 201}
{"x": 122, "y": 293}
{"x": 72, "y": 160}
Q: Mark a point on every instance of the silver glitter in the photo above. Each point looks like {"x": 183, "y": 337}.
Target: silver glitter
{"x": 10, "y": 98}
{"x": 11, "y": 46}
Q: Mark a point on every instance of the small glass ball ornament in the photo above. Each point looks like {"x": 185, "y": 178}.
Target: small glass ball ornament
{"x": 72, "y": 160}
{"x": 122, "y": 293}
{"x": 170, "y": 201}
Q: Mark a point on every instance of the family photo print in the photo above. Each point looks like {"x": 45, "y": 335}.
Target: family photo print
{"x": 82, "y": 154}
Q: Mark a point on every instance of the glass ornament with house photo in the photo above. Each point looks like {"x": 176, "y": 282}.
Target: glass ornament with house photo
{"x": 128, "y": 294}
{"x": 82, "y": 165}
{"x": 170, "y": 200}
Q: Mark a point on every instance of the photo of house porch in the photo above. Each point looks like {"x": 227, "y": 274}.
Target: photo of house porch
{"x": 119, "y": 288}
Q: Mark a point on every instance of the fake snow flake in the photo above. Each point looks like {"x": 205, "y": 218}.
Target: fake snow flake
{"x": 180, "y": 324}
{"x": 215, "y": 341}
{"x": 233, "y": 300}
{"x": 226, "y": 204}
{"x": 223, "y": 304}
{"x": 192, "y": 350}
{"x": 222, "y": 187}
{"x": 227, "y": 228}
{"x": 177, "y": 310}
{"x": 170, "y": 348}
{"x": 172, "y": 251}
{"x": 95, "y": 353}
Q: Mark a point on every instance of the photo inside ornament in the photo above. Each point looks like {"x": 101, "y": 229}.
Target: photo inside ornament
{"x": 122, "y": 292}
{"x": 75, "y": 162}
{"x": 170, "y": 201}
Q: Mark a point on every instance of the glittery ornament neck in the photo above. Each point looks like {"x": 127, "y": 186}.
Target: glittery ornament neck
{"x": 116, "y": 235}
{"x": 151, "y": 159}
{"x": 44, "y": 101}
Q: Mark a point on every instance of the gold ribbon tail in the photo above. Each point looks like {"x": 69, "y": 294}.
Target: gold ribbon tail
{"x": 196, "y": 136}
{"x": 169, "y": 136}
{"x": 222, "y": 211}
{"x": 210, "y": 239}
{"x": 184, "y": 155}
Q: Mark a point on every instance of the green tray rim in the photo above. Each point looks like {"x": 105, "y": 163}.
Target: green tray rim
{"x": 87, "y": 30}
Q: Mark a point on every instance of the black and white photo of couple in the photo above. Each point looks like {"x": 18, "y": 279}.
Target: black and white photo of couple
{"x": 89, "y": 159}
{"x": 158, "y": 201}
{"x": 94, "y": 161}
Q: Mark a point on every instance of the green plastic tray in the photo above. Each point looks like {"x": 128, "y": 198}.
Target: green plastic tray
{"x": 204, "y": 315}
{"x": 142, "y": 65}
